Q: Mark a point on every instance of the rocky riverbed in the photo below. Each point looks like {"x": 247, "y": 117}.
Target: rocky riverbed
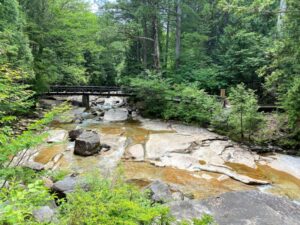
{"x": 193, "y": 161}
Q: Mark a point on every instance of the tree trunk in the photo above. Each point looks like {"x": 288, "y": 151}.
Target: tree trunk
{"x": 167, "y": 38}
{"x": 282, "y": 9}
{"x": 178, "y": 33}
{"x": 145, "y": 59}
{"x": 242, "y": 128}
{"x": 156, "y": 55}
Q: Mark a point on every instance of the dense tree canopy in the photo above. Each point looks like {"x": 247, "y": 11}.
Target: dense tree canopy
{"x": 207, "y": 44}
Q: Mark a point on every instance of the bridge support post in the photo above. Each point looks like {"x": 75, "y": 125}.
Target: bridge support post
{"x": 86, "y": 101}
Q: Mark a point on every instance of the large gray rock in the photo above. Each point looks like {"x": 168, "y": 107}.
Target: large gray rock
{"x": 44, "y": 214}
{"x": 160, "y": 192}
{"x": 115, "y": 115}
{"x": 240, "y": 208}
{"x": 67, "y": 185}
{"x": 87, "y": 144}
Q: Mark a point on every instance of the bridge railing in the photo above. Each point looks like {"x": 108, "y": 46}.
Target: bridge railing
{"x": 82, "y": 89}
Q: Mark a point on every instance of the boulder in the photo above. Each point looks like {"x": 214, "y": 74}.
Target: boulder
{"x": 160, "y": 192}
{"x": 115, "y": 115}
{"x": 74, "y": 134}
{"x": 34, "y": 165}
{"x": 87, "y": 144}
{"x": 44, "y": 214}
{"x": 67, "y": 185}
{"x": 238, "y": 208}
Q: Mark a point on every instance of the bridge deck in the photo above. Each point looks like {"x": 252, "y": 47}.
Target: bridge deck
{"x": 87, "y": 90}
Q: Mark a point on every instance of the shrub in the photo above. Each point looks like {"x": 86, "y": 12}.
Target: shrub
{"x": 244, "y": 116}
{"x": 157, "y": 97}
{"x": 18, "y": 202}
{"x": 108, "y": 202}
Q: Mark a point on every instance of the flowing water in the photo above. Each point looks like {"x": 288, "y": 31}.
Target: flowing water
{"x": 201, "y": 184}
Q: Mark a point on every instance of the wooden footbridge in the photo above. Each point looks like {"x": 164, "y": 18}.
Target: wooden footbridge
{"x": 86, "y": 91}
{"x": 108, "y": 91}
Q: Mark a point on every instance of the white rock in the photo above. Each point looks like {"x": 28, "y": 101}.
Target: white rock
{"x": 206, "y": 177}
{"x": 285, "y": 163}
{"x": 136, "y": 152}
{"x": 56, "y": 136}
{"x": 115, "y": 115}
{"x": 222, "y": 177}
{"x": 160, "y": 144}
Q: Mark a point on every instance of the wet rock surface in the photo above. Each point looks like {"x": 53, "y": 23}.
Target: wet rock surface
{"x": 196, "y": 160}
{"x": 115, "y": 115}
{"x": 239, "y": 208}
{"x": 136, "y": 152}
{"x": 56, "y": 136}
{"x": 87, "y": 143}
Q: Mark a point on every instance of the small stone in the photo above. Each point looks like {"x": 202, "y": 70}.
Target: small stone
{"x": 34, "y": 165}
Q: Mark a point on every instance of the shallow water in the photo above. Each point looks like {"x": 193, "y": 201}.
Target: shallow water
{"x": 200, "y": 184}
{"x": 283, "y": 184}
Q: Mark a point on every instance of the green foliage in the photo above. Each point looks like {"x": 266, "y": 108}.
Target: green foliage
{"x": 18, "y": 202}
{"x": 243, "y": 53}
{"x": 291, "y": 102}
{"x": 243, "y": 116}
{"x": 112, "y": 203}
{"x": 205, "y": 220}
{"x": 58, "y": 175}
{"x": 10, "y": 145}
{"x": 15, "y": 96}
{"x": 159, "y": 98}
{"x": 14, "y": 43}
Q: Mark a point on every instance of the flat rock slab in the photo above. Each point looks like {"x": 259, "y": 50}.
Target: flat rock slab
{"x": 240, "y": 208}
{"x": 160, "y": 144}
{"x": 285, "y": 163}
{"x": 136, "y": 152}
{"x": 116, "y": 115}
{"x": 56, "y": 136}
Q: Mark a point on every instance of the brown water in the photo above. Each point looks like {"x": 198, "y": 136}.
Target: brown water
{"x": 48, "y": 152}
{"x": 283, "y": 183}
{"x": 200, "y": 184}
{"x": 142, "y": 173}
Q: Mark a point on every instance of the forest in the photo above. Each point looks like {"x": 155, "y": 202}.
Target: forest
{"x": 163, "y": 50}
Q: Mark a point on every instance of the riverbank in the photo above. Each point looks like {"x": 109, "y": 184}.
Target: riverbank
{"x": 193, "y": 161}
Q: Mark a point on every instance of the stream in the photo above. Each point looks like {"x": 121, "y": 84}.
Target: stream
{"x": 198, "y": 162}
